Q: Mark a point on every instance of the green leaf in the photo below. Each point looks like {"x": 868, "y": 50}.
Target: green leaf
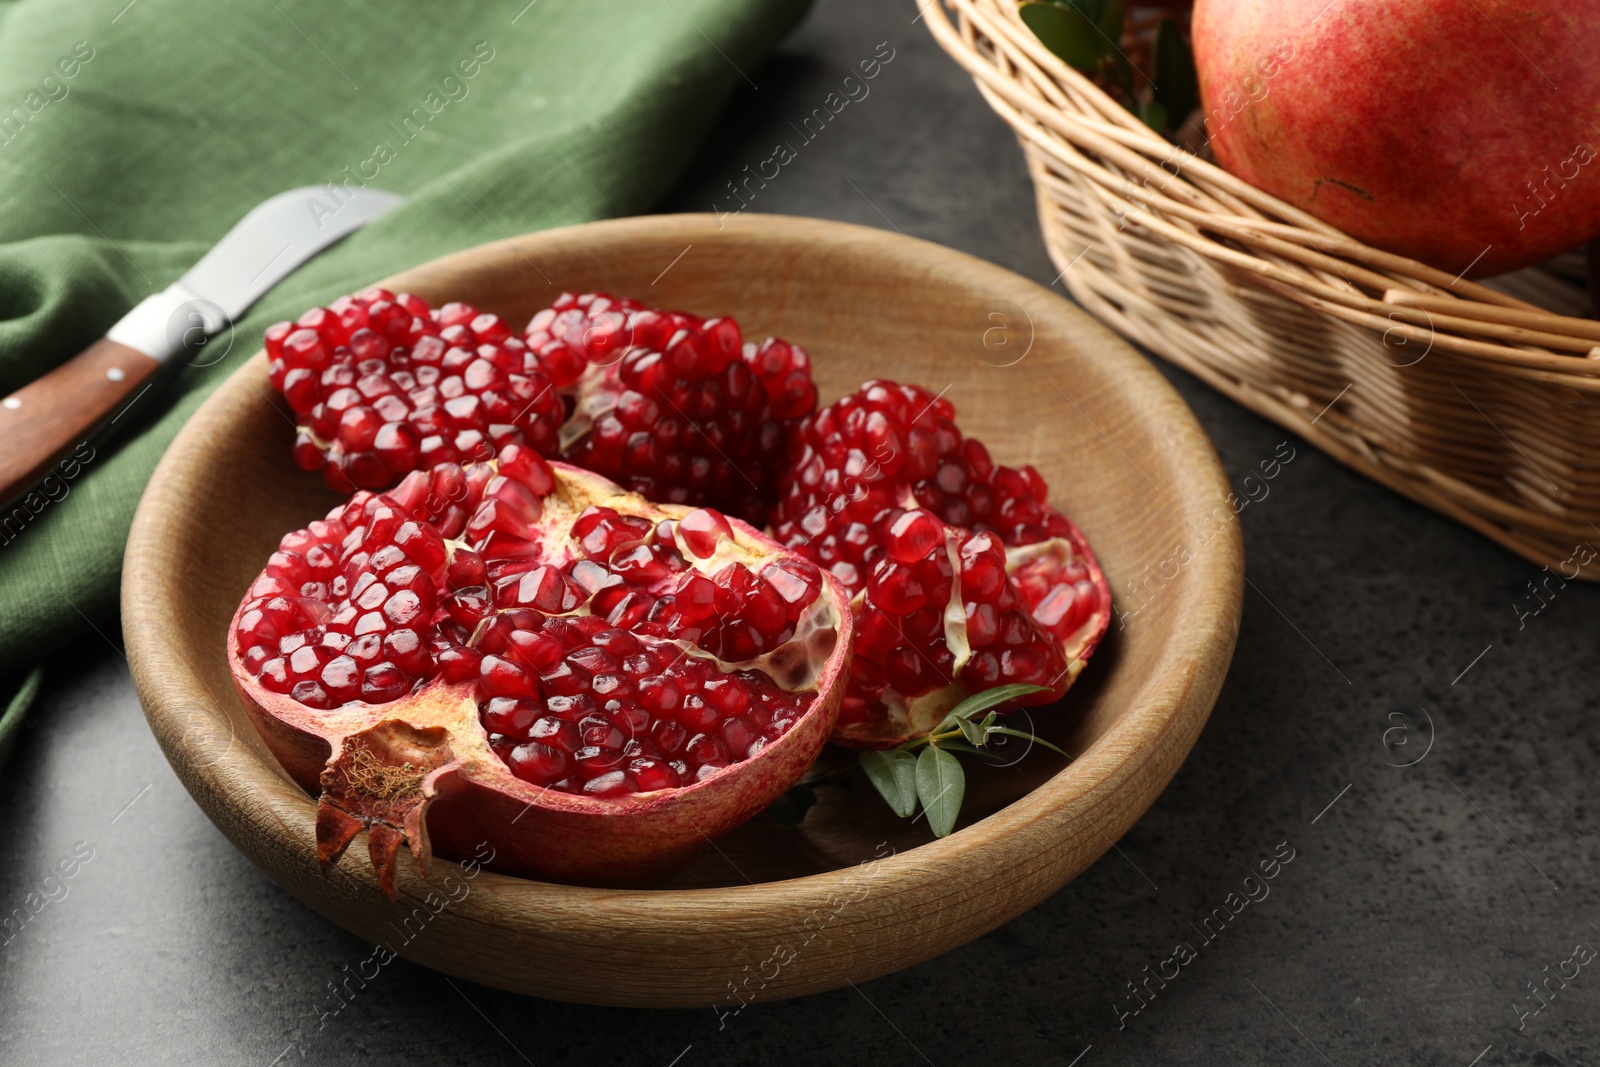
{"x": 1153, "y": 115}
{"x": 1177, "y": 87}
{"x": 1034, "y": 738}
{"x": 1104, "y": 15}
{"x": 1089, "y": 9}
{"x": 978, "y": 703}
{"x": 941, "y": 783}
{"x": 1066, "y": 32}
{"x": 962, "y": 746}
{"x": 791, "y": 808}
{"x": 1120, "y": 71}
{"x": 1107, "y": 19}
{"x": 893, "y": 774}
{"x": 972, "y": 731}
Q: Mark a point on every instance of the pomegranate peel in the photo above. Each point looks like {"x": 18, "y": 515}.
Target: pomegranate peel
{"x": 635, "y": 678}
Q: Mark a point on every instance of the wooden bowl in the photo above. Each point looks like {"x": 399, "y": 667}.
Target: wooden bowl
{"x": 769, "y": 912}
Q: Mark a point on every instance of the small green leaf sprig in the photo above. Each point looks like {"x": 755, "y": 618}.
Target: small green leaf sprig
{"x": 1087, "y": 34}
{"x": 923, "y": 773}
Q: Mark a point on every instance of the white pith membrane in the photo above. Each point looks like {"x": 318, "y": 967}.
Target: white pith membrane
{"x": 597, "y": 394}
{"x": 918, "y": 715}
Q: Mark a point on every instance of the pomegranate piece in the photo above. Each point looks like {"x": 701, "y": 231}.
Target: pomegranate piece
{"x": 670, "y": 405}
{"x": 521, "y": 652}
{"x": 381, "y": 385}
{"x": 678, "y": 408}
{"x": 963, "y": 576}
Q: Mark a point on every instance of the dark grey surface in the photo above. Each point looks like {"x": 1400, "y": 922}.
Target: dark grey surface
{"x": 1404, "y": 930}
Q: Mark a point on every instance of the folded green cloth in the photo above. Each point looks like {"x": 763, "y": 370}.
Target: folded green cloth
{"x": 133, "y": 135}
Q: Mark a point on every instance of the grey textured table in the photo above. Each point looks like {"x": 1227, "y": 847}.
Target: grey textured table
{"x": 1420, "y": 904}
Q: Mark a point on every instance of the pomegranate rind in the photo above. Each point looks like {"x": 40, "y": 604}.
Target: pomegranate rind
{"x": 460, "y": 798}
{"x": 908, "y": 719}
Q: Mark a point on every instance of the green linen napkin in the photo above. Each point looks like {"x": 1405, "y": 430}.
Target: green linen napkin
{"x": 133, "y": 135}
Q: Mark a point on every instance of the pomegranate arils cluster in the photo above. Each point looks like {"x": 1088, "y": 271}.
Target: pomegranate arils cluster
{"x": 580, "y": 706}
{"x": 672, "y": 406}
{"x": 964, "y": 575}
{"x": 384, "y": 385}
{"x": 580, "y": 329}
{"x": 1008, "y": 646}
{"x": 784, "y": 371}
{"x": 897, "y": 446}
{"x": 1061, "y": 594}
{"x": 608, "y": 653}
{"x": 678, "y": 408}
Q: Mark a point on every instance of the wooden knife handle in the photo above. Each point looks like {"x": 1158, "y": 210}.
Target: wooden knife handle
{"x": 42, "y": 421}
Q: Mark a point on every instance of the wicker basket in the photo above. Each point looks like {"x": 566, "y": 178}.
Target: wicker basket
{"x": 1471, "y": 399}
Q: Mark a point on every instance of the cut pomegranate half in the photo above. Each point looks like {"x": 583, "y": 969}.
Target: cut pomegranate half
{"x": 522, "y": 653}
{"x": 963, "y": 577}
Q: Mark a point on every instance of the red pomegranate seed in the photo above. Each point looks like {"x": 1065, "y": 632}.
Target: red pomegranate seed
{"x": 539, "y": 763}
{"x": 702, "y": 530}
{"x": 913, "y": 535}
{"x": 785, "y": 372}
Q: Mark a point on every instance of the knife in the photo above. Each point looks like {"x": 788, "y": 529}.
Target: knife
{"x": 43, "y": 420}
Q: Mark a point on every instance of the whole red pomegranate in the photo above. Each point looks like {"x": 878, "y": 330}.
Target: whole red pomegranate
{"x": 1457, "y": 132}
{"x": 522, "y": 653}
{"x": 964, "y": 578}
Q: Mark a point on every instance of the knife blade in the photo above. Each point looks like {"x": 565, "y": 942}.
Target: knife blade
{"x": 42, "y": 421}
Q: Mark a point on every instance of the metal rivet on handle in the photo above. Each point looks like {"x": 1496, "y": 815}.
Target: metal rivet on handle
{"x": 115, "y": 374}
{"x": 12, "y": 402}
